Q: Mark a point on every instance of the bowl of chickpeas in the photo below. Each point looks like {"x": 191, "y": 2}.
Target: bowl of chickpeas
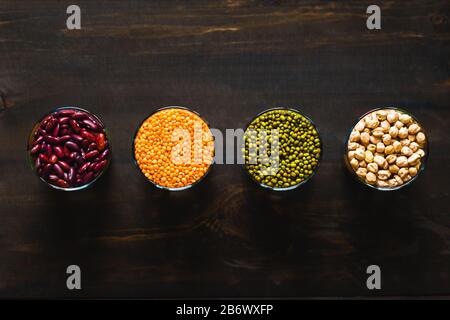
{"x": 174, "y": 148}
{"x": 387, "y": 149}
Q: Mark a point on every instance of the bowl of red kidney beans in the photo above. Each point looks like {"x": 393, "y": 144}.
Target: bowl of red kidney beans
{"x": 69, "y": 149}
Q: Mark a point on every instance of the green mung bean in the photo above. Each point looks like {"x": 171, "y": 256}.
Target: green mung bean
{"x": 281, "y": 148}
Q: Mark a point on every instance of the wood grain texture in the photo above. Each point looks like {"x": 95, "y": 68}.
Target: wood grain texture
{"x": 228, "y": 60}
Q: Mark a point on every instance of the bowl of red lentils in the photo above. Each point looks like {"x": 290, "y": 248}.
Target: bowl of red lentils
{"x": 173, "y": 148}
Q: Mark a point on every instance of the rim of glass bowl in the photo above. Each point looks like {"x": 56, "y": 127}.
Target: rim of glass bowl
{"x": 318, "y": 160}
{"x": 30, "y": 141}
{"x": 134, "y": 154}
{"x": 423, "y": 160}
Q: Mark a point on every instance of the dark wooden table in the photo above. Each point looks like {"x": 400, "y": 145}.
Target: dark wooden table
{"x": 228, "y": 60}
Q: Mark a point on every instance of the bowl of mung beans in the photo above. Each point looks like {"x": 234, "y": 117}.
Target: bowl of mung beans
{"x": 282, "y": 149}
{"x": 174, "y": 148}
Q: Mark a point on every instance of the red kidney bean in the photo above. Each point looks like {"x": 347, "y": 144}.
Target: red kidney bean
{"x": 43, "y": 147}
{"x": 46, "y": 170}
{"x": 86, "y": 135}
{"x": 51, "y": 124}
{"x": 53, "y": 159}
{"x": 101, "y": 141}
{"x": 66, "y": 112}
{"x": 91, "y": 154}
{"x": 64, "y": 131}
{"x": 55, "y": 131}
{"x": 64, "y": 165}
{"x": 38, "y": 140}
{"x": 51, "y": 140}
{"x": 75, "y": 127}
{"x": 64, "y": 120}
{"x": 48, "y": 150}
{"x": 62, "y": 183}
{"x": 35, "y": 149}
{"x": 84, "y": 167}
{"x": 59, "y": 172}
{"x": 104, "y": 155}
{"x": 65, "y": 138}
{"x": 77, "y": 138}
{"x": 88, "y": 177}
{"x": 85, "y": 144}
{"x": 43, "y": 158}
{"x": 72, "y": 146}
{"x": 59, "y": 152}
{"x": 71, "y": 176}
{"x": 92, "y": 146}
{"x": 81, "y": 160}
{"x": 53, "y": 178}
{"x": 67, "y": 151}
{"x": 90, "y": 125}
{"x": 100, "y": 165}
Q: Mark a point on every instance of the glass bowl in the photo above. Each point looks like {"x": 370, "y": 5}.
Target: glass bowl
{"x": 319, "y": 159}
{"x": 423, "y": 159}
{"x": 32, "y": 160}
{"x": 153, "y": 182}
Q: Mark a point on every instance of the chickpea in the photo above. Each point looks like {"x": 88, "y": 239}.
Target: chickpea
{"x": 414, "y": 146}
{"x": 391, "y": 158}
{"x": 354, "y": 136}
{"x": 382, "y": 184}
{"x": 401, "y": 161}
{"x": 381, "y": 114}
{"x": 380, "y": 147}
{"x": 389, "y": 149}
{"x": 399, "y": 180}
{"x": 362, "y": 164}
{"x": 403, "y": 133}
{"x": 368, "y": 156}
{"x": 413, "y": 128}
{"x": 405, "y": 142}
{"x": 421, "y": 153}
{"x": 412, "y": 171}
{"x": 399, "y": 125}
{"x": 354, "y": 163}
{"x": 393, "y": 168}
{"x": 360, "y": 125}
{"x": 379, "y": 160}
{"x": 411, "y": 138}
{"x": 384, "y": 174}
{"x": 405, "y": 118}
{"x": 372, "y": 167}
{"x": 352, "y": 145}
{"x": 407, "y": 178}
{"x": 406, "y": 151}
{"x": 387, "y": 139}
{"x": 365, "y": 138}
{"x": 403, "y": 172}
{"x": 413, "y": 159}
{"x": 393, "y": 183}
{"x": 372, "y": 123}
{"x": 371, "y": 178}
{"x": 392, "y": 116}
{"x": 378, "y": 132}
{"x": 385, "y": 126}
{"x": 374, "y": 139}
{"x": 359, "y": 154}
{"x": 372, "y": 148}
{"x": 420, "y": 137}
{"x": 361, "y": 172}
{"x": 393, "y": 131}
{"x": 397, "y": 146}
{"x": 351, "y": 155}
